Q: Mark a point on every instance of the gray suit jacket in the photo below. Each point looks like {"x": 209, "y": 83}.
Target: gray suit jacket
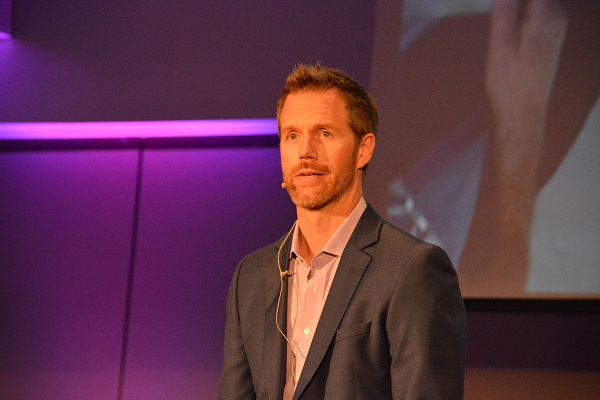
{"x": 393, "y": 325}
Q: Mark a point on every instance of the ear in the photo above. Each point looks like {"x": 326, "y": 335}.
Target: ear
{"x": 365, "y": 150}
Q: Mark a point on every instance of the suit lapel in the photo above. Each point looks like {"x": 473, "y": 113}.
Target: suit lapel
{"x": 352, "y": 265}
{"x": 274, "y": 345}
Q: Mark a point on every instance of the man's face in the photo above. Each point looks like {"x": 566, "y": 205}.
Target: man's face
{"x": 318, "y": 149}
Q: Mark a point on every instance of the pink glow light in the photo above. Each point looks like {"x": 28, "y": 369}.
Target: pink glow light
{"x": 136, "y": 129}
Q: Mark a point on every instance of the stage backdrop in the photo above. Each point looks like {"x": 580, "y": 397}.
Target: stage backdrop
{"x": 489, "y": 139}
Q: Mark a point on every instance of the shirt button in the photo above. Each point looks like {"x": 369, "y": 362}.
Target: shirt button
{"x": 306, "y": 331}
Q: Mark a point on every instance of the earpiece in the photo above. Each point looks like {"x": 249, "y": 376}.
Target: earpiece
{"x": 283, "y": 185}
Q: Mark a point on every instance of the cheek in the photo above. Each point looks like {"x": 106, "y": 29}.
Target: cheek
{"x": 283, "y": 155}
{"x": 287, "y": 165}
{"x": 345, "y": 160}
{"x": 285, "y": 161}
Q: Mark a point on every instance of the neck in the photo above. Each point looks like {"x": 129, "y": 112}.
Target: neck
{"x": 317, "y": 226}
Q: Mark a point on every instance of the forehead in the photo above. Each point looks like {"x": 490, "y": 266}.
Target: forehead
{"x": 314, "y": 104}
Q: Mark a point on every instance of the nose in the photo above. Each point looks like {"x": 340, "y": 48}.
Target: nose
{"x": 307, "y": 147}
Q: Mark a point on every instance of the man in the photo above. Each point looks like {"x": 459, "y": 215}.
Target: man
{"x": 345, "y": 306}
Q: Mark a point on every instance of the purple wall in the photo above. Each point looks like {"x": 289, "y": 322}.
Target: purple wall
{"x": 113, "y": 60}
{"x": 5, "y": 18}
{"x": 66, "y": 232}
{"x": 71, "y": 326}
{"x": 201, "y": 212}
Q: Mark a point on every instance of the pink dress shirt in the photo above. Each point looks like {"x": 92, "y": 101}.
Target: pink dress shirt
{"x": 307, "y": 292}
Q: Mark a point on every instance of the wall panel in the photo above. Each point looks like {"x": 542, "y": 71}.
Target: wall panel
{"x": 201, "y": 211}
{"x": 65, "y": 233}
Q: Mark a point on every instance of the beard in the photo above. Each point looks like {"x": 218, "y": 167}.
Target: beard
{"x": 335, "y": 186}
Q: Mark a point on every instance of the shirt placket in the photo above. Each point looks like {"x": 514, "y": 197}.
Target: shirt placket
{"x": 311, "y": 291}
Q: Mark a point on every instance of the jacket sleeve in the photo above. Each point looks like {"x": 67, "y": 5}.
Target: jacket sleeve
{"x": 236, "y": 378}
{"x": 426, "y": 326}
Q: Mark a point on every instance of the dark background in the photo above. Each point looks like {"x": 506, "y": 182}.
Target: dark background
{"x": 115, "y": 262}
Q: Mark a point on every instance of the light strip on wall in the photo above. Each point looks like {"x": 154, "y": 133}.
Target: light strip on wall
{"x": 137, "y": 129}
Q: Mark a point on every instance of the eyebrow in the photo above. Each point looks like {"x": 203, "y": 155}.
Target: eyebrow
{"x": 319, "y": 126}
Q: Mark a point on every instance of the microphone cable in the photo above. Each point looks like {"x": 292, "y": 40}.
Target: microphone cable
{"x": 283, "y": 274}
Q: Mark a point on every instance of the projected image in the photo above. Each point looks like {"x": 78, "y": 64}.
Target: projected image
{"x": 489, "y": 139}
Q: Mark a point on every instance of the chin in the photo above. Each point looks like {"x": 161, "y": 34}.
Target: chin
{"x": 312, "y": 202}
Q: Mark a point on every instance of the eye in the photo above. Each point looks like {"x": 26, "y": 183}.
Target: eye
{"x": 292, "y": 136}
{"x": 326, "y": 134}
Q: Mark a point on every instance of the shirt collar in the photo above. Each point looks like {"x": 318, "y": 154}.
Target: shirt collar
{"x": 338, "y": 241}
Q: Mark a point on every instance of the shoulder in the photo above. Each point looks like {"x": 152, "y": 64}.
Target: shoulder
{"x": 396, "y": 238}
{"x": 260, "y": 259}
{"x": 407, "y": 249}
{"x": 262, "y": 253}
{"x": 375, "y": 232}
{"x": 395, "y": 252}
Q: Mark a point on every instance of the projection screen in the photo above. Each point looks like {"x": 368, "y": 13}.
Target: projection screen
{"x": 489, "y": 139}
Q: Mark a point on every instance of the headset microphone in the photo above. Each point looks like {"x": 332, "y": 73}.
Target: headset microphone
{"x": 283, "y": 274}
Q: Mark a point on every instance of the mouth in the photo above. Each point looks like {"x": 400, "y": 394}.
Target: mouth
{"x": 306, "y": 173}
{"x": 308, "y": 177}
{"x": 310, "y": 174}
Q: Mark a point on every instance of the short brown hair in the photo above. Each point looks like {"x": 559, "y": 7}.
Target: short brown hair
{"x": 362, "y": 111}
